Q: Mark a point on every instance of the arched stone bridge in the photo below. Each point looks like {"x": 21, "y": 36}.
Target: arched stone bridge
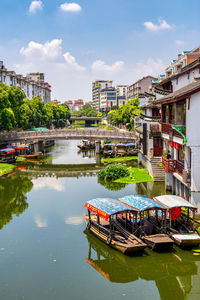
{"x": 73, "y": 134}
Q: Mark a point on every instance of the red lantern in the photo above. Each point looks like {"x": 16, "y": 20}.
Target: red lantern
{"x": 177, "y": 146}
{"x": 171, "y": 144}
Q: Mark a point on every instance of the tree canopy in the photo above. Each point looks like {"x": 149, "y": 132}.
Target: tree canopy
{"x": 86, "y": 111}
{"x": 125, "y": 114}
{"x": 18, "y": 111}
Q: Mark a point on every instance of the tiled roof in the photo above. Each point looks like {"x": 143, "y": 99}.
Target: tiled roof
{"x": 188, "y": 89}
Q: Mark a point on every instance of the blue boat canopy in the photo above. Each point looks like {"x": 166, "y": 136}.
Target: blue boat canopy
{"x": 130, "y": 144}
{"x": 140, "y": 202}
{"x": 106, "y": 207}
{"x": 8, "y": 150}
{"x": 121, "y": 145}
{"x": 110, "y": 144}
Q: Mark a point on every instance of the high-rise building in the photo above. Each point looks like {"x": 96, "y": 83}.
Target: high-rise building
{"x": 108, "y": 99}
{"x": 97, "y": 86}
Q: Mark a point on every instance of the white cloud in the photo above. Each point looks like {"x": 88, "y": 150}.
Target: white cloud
{"x": 35, "y": 6}
{"x": 72, "y": 61}
{"x": 152, "y": 67}
{"x": 163, "y": 25}
{"x": 74, "y": 220}
{"x": 50, "y": 50}
{"x": 40, "y": 223}
{"x": 49, "y": 183}
{"x": 99, "y": 66}
{"x": 70, "y": 7}
{"x": 179, "y": 42}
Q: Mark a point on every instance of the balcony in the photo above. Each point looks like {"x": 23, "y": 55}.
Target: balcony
{"x": 167, "y": 128}
{"x": 179, "y": 167}
{"x": 172, "y": 166}
{"x": 168, "y": 165}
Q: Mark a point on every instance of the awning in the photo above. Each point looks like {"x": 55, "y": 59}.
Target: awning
{"x": 140, "y": 202}
{"x": 7, "y": 150}
{"x": 105, "y": 207}
{"x": 172, "y": 201}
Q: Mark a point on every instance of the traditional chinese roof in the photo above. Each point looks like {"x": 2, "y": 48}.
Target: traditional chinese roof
{"x": 181, "y": 93}
{"x": 140, "y": 203}
{"x": 171, "y": 201}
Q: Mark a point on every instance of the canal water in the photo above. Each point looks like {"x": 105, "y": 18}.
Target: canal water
{"x": 46, "y": 253}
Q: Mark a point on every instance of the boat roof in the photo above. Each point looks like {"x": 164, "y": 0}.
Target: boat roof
{"x": 140, "y": 202}
{"x": 130, "y": 144}
{"x": 171, "y": 201}
{"x": 17, "y": 146}
{"x": 106, "y": 207}
{"x": 110, "y": 144}
{"x": 10, "y": 150}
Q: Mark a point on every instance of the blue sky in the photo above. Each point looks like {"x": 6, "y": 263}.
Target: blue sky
{"x": 77, "y": 42}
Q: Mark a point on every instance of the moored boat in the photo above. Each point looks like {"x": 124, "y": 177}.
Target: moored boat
{"x": 7, "y": 155}
{"x": 144, "y": 222}
{"x": 101, "y": 222}
{"x": 121, "y": 149}
{"x": 109, "y": 149}
{"x": 33, "y": 155}
{"x": 87, "y": 145}
{"x": 180, "y": 226}
{"x": 131, "y": 149}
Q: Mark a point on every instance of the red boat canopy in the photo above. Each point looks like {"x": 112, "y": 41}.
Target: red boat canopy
{"x": 7, "y": 151}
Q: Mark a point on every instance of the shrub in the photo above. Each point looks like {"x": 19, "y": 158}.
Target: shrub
{"x": 113, "y": 172}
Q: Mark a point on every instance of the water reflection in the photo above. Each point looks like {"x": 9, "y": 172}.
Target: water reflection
{"x": 172, "y": 272}
{"x": 48, "y": 182}
{"x": 13, "y": 198}
{"x": 112, "y": 186}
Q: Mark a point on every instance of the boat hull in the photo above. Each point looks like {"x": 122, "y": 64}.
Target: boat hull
{"x": 35, "y": 155}
{"x": 186, "y": 239}
{"x": 127, "y": 248}
{"x": 159, "y": 242}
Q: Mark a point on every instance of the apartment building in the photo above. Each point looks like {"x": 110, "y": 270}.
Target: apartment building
{"x": 108, "y": 99}
{"x": 69, "y": 103}
{"x": 97, "y": 86}
{"x": 139, "y": 87}
{"x": 121, "y": 94}
{"x": 31, "y": 88}
{"x": 36, "y": 76}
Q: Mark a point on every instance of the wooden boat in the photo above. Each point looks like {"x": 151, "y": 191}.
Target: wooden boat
{"x": 7, "y": 156}
{"x": 34, "y": 155}
{"x": 109, "y": 150}
{"x": 19, "y": 149}
{"x": 121, "y": 150}
{"x": 100, "y": 221}
{"x": 142, "y": 223}
{"x": 180, "y": 227}
{"x": 131, "y": 149}
{"x": 87, "y": 145}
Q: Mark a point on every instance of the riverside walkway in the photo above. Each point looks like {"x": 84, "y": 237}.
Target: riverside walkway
{"x": 73, "y": 134}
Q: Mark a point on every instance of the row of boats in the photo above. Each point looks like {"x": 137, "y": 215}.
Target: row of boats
{"x": 110, "y": 149}
{"x": 10, "y": 153}
{"x": 132, "y": 223}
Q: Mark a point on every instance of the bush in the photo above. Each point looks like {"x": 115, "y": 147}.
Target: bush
{"x": 113, "y": 172}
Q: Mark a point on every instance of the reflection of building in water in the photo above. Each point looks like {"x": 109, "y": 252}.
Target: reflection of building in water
{"x": 151, "y": 188}
{"x": 87, "y": 154}
{"x": 175, "y": 274}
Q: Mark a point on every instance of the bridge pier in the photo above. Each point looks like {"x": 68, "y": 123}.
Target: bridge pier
{"x": 98, "y": 147}
{"x": 38, "y": 147}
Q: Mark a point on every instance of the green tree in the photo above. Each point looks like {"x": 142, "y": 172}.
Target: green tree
{"x": 7, "y": 119}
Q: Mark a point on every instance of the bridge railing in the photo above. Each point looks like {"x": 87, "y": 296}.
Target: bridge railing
{"x": 59, "y": 133}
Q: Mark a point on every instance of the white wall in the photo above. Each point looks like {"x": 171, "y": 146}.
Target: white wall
{"x": 193, "y": 120}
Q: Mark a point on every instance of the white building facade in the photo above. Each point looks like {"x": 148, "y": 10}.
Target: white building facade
{"x": 29, "y": 87}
